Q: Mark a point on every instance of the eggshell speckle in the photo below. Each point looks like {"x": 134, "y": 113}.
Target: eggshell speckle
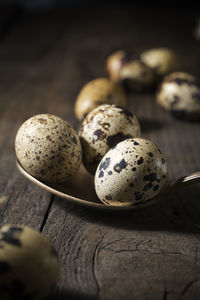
{"x": 48, "y": 148}
{"x": 133, "y": 171}
{"x": 136, "y": 76}
{"x": 29, "y": 264}
{"x": 179, "y": 93}
{"x": 104, "y": 127}
{"x": 129, "y": 70}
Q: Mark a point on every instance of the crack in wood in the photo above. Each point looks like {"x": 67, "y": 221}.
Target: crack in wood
{"x": 144, "y": 248}
{"x": 195, "y": 262}
{"x": 78, "y": 252}
{"x": 110, "y": 243}
{"x": 99, "y": 248}
{"x": 188, "y": 286}
{"x": 121, "y": 250}
{"x": 165, "y": 294}
{"x": 46, "y": 213}
{"x": 71, "y": 237}
{"x": 94, "y": 257}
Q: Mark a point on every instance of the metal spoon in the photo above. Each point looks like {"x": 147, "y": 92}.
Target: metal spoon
{"x": 80, "y": 189}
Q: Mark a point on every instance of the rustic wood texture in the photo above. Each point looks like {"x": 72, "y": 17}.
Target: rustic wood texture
{"x": 44, "y": 61}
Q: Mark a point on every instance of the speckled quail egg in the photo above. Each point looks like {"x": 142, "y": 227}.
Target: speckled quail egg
{"x": 96, "y": 92}
{"x": 104, "y": 127}
{"x": 133, "y": 171}
{"x": 129, "y": 70}
{"x": 48, "y": 148}
{"x": 29, "y": 264}
{"x": 161, "y": 60}
{"x": 179, "y": 93}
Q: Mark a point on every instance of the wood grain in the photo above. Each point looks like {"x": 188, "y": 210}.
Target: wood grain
{"x": 149, "y": 254}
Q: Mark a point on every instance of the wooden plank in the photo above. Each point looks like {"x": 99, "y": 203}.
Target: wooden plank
{"x": 149, "y": 254}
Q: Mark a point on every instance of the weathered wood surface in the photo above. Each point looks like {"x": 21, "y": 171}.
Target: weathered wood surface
{"x": 149, "y": 254}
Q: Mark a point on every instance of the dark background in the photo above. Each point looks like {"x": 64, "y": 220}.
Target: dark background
{"x": 49, "y": 4}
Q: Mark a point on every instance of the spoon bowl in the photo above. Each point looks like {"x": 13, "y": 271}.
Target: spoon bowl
{"x": 80, "y": 189}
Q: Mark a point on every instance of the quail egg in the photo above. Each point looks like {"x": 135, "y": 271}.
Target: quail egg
{"x": 179, "y": 93}
{"x": 161, "y": 60}
{"x": 104, "y": 127}
{"x": 29, "y": 264}
{"x": 133, "y": 171}
{"x": 96, "y": 92}
{"x": 48, "y": 148}
{"x": 129, "y": 70}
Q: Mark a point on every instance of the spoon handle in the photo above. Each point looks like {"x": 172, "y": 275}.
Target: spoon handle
{"x": 187, "y": 180}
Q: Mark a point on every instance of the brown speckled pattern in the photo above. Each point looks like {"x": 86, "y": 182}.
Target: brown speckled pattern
{"x": 161, "y": 60}
{"x": 96, "y": 92}
{"x": 136, "y": 76}
{"x": 132, "y": 172}
{"x": 180, "y": 93}
{"x": 28, "y": 265}
{"x": 129, "y": 70}
{"x": 103, "y": 128}
{"x": 48, "y": 148}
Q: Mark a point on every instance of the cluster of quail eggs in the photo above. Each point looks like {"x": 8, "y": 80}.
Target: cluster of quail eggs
{"x": 128, "y": 170}
{"x": 109, "y": 146}
{"x": 50, "y": 149}
{"x": 103, "y": 128}
{"x": 178, "y": 92}
{"x": 139, "y": 72}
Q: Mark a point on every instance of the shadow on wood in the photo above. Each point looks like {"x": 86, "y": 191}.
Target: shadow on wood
{"x": 179, "y": 213}
{"x": 150, "y": 125}
{"x": 61, "y": 294}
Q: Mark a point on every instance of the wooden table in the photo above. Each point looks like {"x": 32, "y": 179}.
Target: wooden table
{"x": 45, "y": 59}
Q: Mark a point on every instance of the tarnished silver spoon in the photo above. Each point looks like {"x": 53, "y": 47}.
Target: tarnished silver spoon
{"x": 80, "y": 189}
